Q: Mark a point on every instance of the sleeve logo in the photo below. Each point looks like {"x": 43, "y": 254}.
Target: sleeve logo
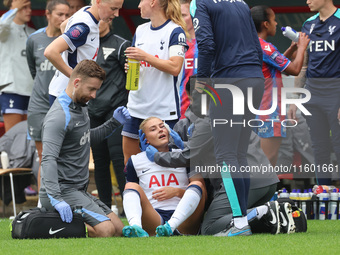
{"x": 76, "y": 32}
{"x": 195, "y": 22}
{"x": 276, "y": 56}
{"x": 181, "y": 38}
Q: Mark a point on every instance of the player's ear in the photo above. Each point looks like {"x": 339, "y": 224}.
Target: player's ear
{"x": 265, "y": 24}
{"x": 76, "y": 82}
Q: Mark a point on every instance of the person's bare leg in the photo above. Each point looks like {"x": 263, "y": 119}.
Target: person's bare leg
{"x": 150, "y": 218}
{"x": 270, "y": 147}
{"x": 103, "y": 229}
{"x": 117, "y": 223}
{"x": 11, "y": 119}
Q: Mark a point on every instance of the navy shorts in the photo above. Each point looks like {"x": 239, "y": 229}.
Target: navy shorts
{"x": 131, "y": 127}
{"x": 14, "y": 103}
{"x": 165, "y": 214}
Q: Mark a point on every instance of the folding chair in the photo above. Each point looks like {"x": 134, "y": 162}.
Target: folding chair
{"x": 11, "y": 172}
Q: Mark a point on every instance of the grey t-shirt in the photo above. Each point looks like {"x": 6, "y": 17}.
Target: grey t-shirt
{"x": 66, "y": 147}
{"x": 41, "y": 70}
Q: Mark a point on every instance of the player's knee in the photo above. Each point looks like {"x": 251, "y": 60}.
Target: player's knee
{"x": 197, "y": 183}
{"x": 196, "y": 187}
{"x": 105, "y": 229}
{"x": 133, "y": 186}
{"x": 118, "y": 231}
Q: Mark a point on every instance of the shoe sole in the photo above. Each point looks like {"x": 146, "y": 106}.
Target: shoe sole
{"x": 30, "y": 192}
{"x": 242, "y": 233}
{"x": 229, "y": 232}
{"x": 288, "y": 211}
{"x": 277, "y": 206}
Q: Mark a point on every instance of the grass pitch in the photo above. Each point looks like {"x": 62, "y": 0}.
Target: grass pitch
{"x": 322, "y": 237}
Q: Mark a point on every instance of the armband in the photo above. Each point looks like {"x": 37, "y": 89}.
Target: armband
{"x": 176, "y": 51}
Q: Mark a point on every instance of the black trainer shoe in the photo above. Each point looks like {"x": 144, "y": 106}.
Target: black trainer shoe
{"x": 299, "y": 219}
{"x": 286, "y": 218}
{"x": 272, "y": 218}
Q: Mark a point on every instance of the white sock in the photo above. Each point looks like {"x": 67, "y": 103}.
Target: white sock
{"x": 261, "y": 210}
{"x": 132, "y": 207}
{"x": 241, "y": 222}
{"x": 185, "y": 207}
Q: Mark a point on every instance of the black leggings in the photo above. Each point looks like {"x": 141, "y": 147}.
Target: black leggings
{"x": 108, "y": 150}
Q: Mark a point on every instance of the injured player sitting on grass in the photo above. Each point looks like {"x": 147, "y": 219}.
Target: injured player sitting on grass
{"x": 161, "y": 201}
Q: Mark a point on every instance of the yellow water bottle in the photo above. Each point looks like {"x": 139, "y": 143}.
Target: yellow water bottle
{"x": 132, "y": 78}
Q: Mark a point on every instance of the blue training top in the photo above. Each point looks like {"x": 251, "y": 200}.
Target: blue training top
{"x": 324, "y": 53}
{"x": 228, "y": 45}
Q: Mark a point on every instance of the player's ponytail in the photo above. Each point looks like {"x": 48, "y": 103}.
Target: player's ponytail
{"x": 172, "y": 10}
{"x": 260, "y": 14}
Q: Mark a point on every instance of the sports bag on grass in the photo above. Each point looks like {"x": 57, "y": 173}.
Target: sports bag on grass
{"x": 38, "y": 223}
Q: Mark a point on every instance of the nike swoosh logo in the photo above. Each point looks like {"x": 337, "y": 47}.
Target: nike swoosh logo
{"x": 52, "y": 232}
{"x": 238, "y": 233}
{"x": 93, "y": 39}
{"x": 284, "y": 221}
{"x": 144, "y": 171}
{"x": 139, "y": 44}
{"x": 273, "y": 221}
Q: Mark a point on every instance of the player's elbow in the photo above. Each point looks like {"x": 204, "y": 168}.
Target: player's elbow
{"x": 175, "y": 73}
{"x": 176, "y": 70}
{"x": 48, "y": 53}
{"x": 294, "y": 72}
{"x": 293, "y": 69}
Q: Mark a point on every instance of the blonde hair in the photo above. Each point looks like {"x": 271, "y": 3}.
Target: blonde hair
{"x": 172, "y": 9}
{"x": 142, "y": 125}
{"x": 8, "y": 3}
